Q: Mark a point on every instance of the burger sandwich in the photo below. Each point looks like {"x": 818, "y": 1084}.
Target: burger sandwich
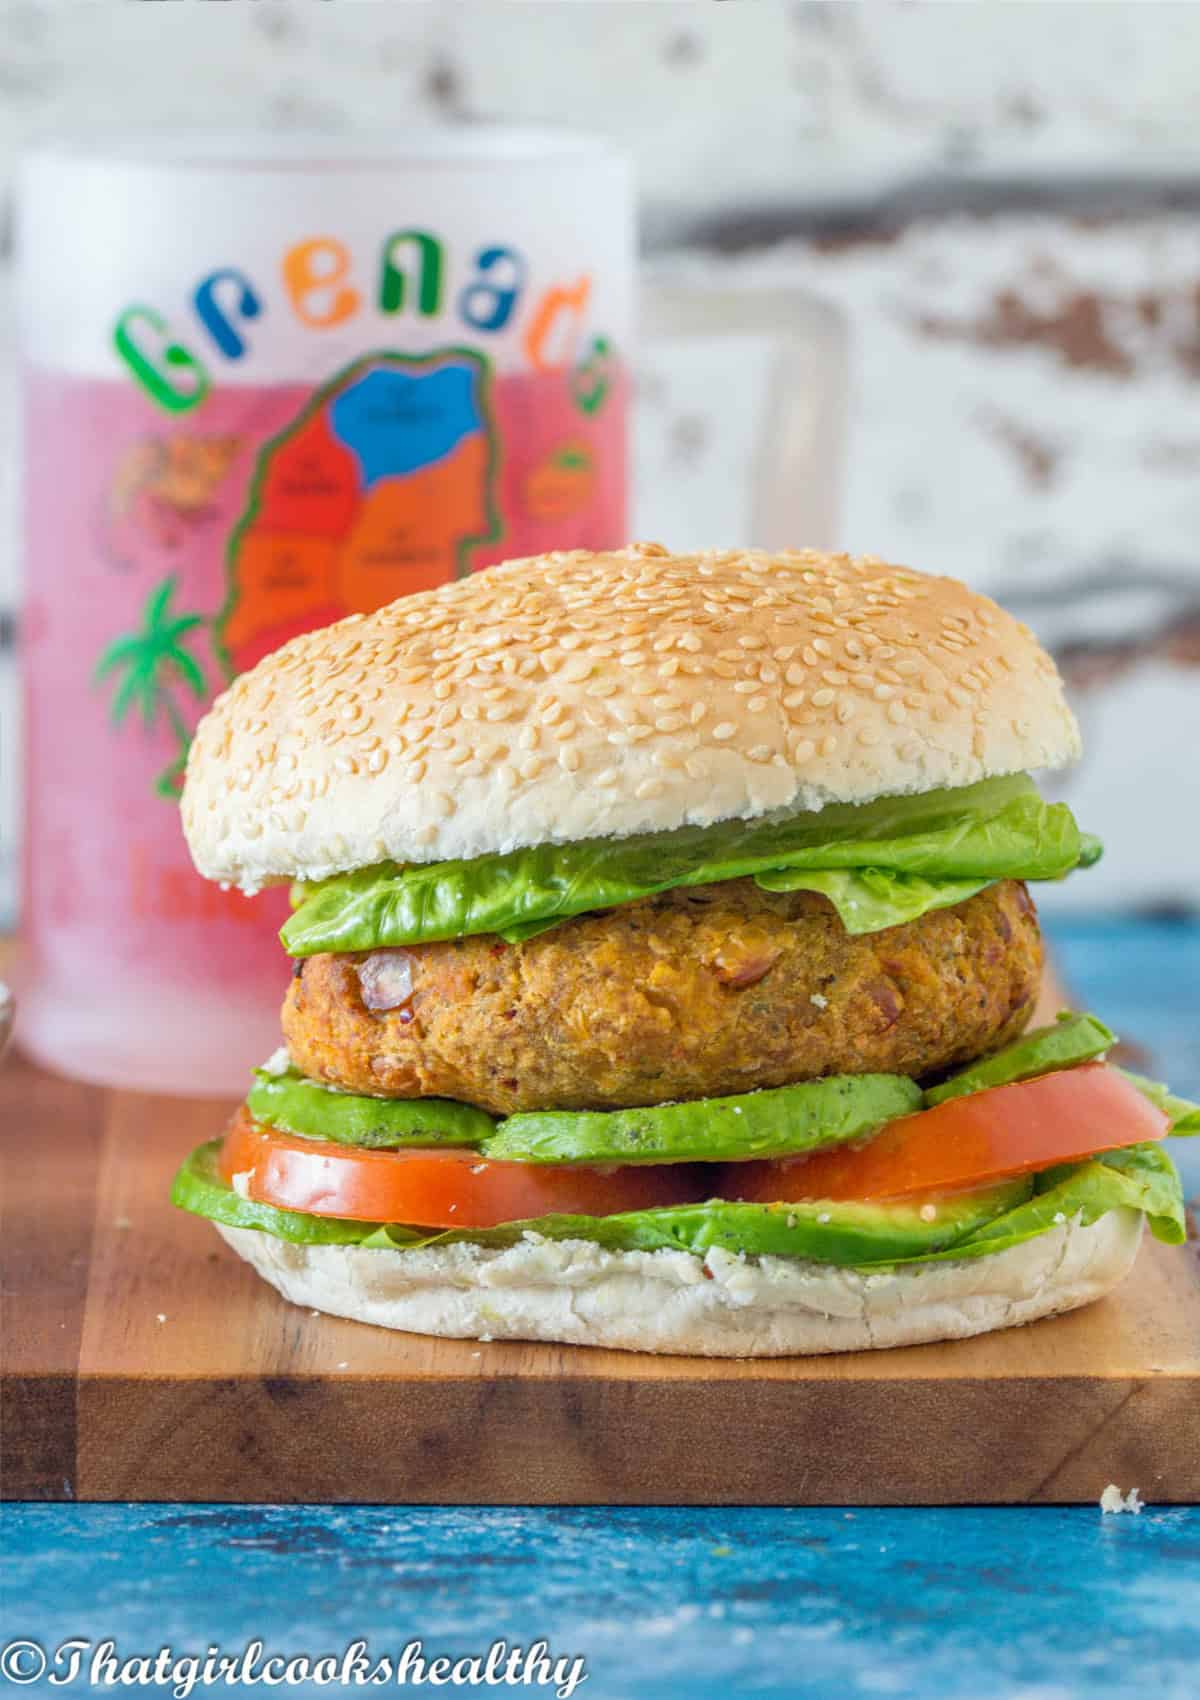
{"x": 663, "y": 963}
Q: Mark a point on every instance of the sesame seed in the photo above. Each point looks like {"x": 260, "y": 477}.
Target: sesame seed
{"x": 724, "y": 731}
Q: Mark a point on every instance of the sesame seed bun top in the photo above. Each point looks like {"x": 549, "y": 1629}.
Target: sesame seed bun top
{"x": 591, "y": 695}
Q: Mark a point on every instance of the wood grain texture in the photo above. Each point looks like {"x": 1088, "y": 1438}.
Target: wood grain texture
{"x": 144, "y": 1361}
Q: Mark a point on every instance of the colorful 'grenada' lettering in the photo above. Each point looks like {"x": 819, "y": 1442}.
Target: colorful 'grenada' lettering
{"x": 172, "y": 356}
{"x": 214, "y": 317}
{"x": 592, "y": 377}
{"x": 486, "y": 304}
{"x": 393, "y": 280}
{"x": 314, "y": 274}
{"x": 559, "y": 315}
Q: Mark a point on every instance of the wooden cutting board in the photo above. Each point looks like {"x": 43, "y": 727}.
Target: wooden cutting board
{"x": 143, "y": 1360}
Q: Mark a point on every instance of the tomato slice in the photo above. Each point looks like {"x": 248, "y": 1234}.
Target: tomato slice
{"x": 986, "y": 1136}
{"x": 435, "y": 1189}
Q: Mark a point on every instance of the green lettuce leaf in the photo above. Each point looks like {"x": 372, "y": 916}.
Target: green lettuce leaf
{"x": 998, "y": 829}
{"x": 198, "y": 1187}
{"x": 860, "y": 1236}
{"x": 1138, "y": 1177}
{"x": 1183, "y": 1114}
{"x": 844, "y": 1233}
{"x": 869, "y": 899}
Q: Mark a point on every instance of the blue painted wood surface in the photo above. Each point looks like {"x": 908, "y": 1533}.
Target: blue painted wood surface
{"x": 1043, "y": 1603}
{"x": 937, "y": 1605}
{"x": 1143, "y": 978}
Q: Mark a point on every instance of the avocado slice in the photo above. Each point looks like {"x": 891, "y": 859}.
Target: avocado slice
{"x": 1071, "y": 1040}
{"x": 847, "y": 1234}
{"x": 777, "y": 1122}
{"x": 295, "y": 1104}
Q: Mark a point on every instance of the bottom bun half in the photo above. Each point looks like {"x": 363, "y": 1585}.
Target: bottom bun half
{"x": 719, "y": 1306}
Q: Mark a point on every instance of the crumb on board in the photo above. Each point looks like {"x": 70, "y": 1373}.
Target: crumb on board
{"x": 1112, "y": 1499}
{"x": 162, "y": 1316}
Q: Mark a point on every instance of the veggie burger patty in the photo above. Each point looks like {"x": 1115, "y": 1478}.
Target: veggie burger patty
{"x": 691, "y": 994}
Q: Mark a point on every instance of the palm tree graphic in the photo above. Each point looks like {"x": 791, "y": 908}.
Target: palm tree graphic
{"x": 152, "y": 661}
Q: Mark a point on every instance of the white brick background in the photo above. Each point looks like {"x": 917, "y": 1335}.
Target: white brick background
{"x": 1030, "y": 462}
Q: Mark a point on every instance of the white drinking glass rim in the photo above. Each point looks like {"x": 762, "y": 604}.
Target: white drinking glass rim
{"x": 484, "y": 144}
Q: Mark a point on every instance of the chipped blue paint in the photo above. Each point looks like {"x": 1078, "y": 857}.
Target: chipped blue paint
{"x": 660, "y": 1603}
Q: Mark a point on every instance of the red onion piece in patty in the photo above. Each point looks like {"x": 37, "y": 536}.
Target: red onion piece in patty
{"x": 385, "y": 979}
{"x": 746, "y": 968}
